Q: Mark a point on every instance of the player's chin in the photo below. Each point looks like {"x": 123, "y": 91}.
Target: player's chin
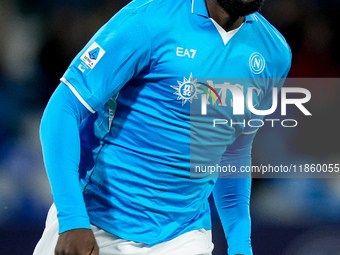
{"x": 239, "y": 8}
{"x": 257, "y": 2}
{"x": 250, "y": 6}
{"x": 246, "y": 2}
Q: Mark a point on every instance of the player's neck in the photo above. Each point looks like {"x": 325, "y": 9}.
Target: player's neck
{"x": 226, "y": 21}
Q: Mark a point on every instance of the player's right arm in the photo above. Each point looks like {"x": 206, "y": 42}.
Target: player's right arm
{"x": 60, "y": 140}
{"x": 114, "y": 55}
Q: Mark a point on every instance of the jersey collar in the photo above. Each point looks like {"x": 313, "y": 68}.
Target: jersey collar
{"x": 250, "y": 17}
{"x": 199, "y": 7}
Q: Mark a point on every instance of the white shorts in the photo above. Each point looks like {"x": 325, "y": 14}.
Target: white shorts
{"x": 197, "y": 242}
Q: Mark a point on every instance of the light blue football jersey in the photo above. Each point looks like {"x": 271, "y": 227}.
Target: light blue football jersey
{"x": 136, "y": 147}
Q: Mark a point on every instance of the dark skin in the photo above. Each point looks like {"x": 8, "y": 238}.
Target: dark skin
{"x": 82, "y": 241}
{"x": 226, "y": 21}
{"x": 77, "y": 242}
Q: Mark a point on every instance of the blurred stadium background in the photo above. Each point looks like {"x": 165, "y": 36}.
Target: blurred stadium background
{"x": 39, "y": 38}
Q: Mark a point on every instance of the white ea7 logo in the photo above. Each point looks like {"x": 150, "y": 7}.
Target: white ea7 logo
{"x": 257, "y": 63}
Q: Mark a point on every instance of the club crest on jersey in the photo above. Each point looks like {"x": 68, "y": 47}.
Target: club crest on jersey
{"x": 257, "y": 63}
{"x": 92, "y": 56}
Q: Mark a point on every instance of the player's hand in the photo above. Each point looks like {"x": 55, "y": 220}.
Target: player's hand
{"x": 77, "y": 242}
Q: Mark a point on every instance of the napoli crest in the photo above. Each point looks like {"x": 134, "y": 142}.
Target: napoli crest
{"x": 257, "y": 63}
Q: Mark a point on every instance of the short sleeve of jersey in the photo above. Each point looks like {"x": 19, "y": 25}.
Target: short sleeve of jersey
{"x": 115, "y": 54}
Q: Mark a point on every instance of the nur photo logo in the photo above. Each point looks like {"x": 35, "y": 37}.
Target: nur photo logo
{"x": 246, "y": 96}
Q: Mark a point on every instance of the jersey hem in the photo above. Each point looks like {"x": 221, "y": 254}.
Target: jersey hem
{"x": 134, "y": 238}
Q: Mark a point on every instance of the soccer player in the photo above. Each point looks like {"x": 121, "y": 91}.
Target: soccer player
{"x": 117, "y": 135}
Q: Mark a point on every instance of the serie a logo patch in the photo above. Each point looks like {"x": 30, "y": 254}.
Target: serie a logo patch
{"x": 92, "y": 55}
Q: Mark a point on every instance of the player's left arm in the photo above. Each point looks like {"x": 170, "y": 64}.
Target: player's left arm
{"x": 232, "y": 190}
{"x": 232, "y": 196}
